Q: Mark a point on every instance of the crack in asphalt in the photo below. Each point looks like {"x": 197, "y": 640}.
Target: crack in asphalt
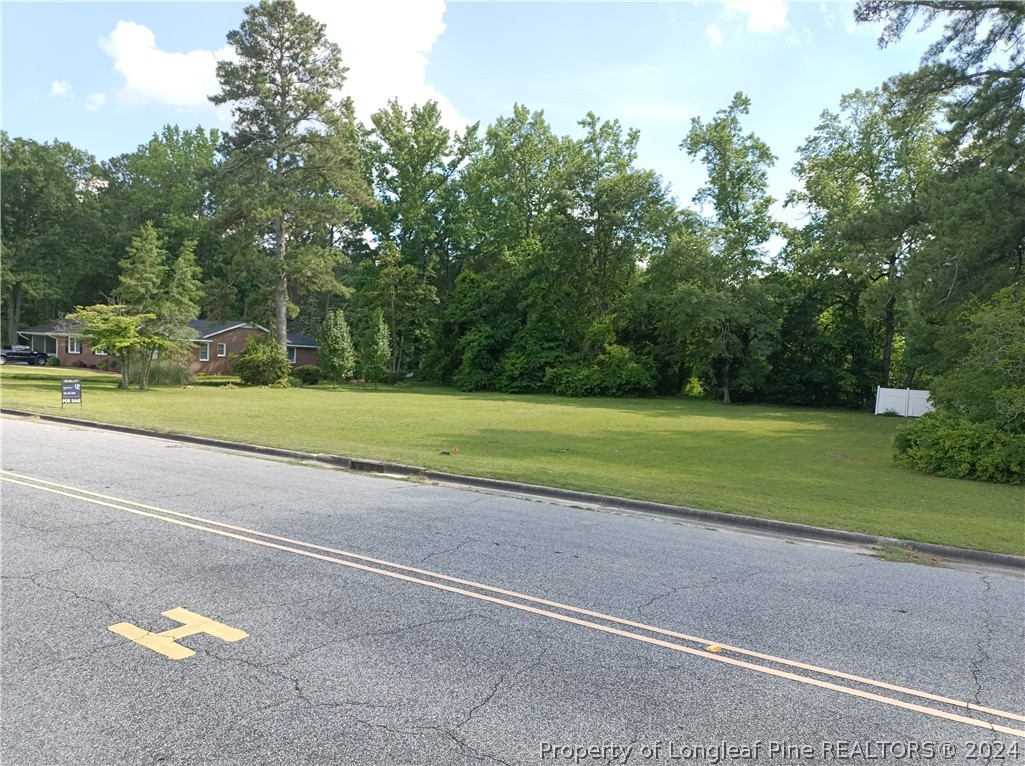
{"x": 57, "y": 589}
{"x": 296, "y": 691}
{"x": 454, "y": 733}
{"x": 55, "y": 663}
{"x": 465, "y": 542}
{"x": 671, "y": 592}
{"x": 985, "y": 638}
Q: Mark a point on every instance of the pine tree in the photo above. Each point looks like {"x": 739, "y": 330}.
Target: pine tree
{"x": 292, "y": 165}
{"x": 167, "y": 295}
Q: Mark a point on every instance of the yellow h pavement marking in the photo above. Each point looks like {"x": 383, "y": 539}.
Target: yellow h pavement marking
{"x": 340, "y": 557}
{"x": 166, "y": 642}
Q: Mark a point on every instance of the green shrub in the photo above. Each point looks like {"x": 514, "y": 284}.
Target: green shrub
{"x": 309, "y": 374}
{"x": 162, "y": 374}
{"x": 262, "y": 362}
{"x": 524, "y": 370}
{"x": 53, "y": 362}
{"x": 476, "y": 368}
{"x": 952, "y": 446}
{"x": 617, "y": 372}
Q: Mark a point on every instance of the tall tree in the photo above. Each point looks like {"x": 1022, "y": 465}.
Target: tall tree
{"x": 167, "y": 181}
{"x": 975, "y": 206}
{"x": 49, "y": 228}
{"x": 977, "y": 65}
{"x": 292, "y": 171}
{"x": 862, "y": 173}
{"x": 735, "y": 331}
{"x": 521, "y": 316}
{"x": 623, "y": 214}
{"x": 414, "y": 162}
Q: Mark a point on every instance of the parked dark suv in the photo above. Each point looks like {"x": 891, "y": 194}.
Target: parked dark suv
{"x": 22, "y": 354}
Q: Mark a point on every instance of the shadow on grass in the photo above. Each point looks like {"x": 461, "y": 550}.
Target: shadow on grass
{"x": 655, "y": 406}
{"x": 802, "y": 457}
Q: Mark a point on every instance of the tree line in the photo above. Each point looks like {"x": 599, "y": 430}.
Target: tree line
{"x": 510, "y": 258}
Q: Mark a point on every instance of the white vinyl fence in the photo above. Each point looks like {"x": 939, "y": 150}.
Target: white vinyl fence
{"x": 906, "y": 402}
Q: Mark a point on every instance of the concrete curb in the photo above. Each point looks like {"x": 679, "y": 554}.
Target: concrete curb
{"x": 736, "y": 521}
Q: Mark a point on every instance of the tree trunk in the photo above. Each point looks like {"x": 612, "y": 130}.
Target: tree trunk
{"x": 281, "y": 290}
{"x": 726, "y": 384}
{"x": 889, "y": 327}
{"x": 147, "y": 362}
{"x": 125, "y": 362}
{"x": 13, "y": 315}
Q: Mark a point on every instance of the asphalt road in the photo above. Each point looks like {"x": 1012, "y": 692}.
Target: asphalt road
{"x": 485, "y": 629}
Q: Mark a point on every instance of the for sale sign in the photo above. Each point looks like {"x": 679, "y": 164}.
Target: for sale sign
{"x": 71, "y": 391}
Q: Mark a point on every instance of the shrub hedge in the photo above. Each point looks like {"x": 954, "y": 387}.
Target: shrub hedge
{"x": 947, "y": 445}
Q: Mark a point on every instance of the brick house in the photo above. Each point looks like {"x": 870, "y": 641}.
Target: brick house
{"x": 215, "y": 343}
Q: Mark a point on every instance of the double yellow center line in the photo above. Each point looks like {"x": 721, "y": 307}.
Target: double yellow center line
{"x": 812, "y": 675}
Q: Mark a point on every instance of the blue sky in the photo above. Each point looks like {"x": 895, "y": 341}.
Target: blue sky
{"x": 107, "y": 76}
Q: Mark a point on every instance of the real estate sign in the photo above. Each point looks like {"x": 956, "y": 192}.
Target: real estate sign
{"x": 71, "y": 391}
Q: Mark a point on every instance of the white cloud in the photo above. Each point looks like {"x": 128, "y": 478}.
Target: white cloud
{"x": 762, "y": 15}
{"x": 714, "y": 35}
{"x": 156, "y": 76}
{"x": 385, "y": 46}
{"x": 95, "y": 101}
{"x": 60, "y": 88}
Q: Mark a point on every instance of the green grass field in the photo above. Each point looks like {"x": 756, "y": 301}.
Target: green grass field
{"x": 826, "y": 468}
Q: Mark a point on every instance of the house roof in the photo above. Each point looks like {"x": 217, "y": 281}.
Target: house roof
{"x": 54, "y": 327}
{"x": 204, "y": 329}
{"x": 207, "y": 329}
{"x": 299, "y": 340}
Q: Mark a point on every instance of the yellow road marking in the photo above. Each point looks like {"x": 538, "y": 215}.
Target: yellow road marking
{"x": 166, "y": 642}
{"x": 81, "y": 495}
{"x": 555, "y": 604}
{"x": 158, "y": 643}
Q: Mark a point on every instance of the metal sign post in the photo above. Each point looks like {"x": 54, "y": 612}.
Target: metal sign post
{"x": 71, "y": 392}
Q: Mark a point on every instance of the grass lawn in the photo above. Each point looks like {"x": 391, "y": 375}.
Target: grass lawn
{"x": 825, "y": 468}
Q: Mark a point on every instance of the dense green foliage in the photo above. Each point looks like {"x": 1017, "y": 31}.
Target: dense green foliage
{"x": 115, "y": 329}
{"x": 948, "y": 445}
{"x": 979, "y": 432}
{"x": 308, "y": 374}
{"x": 509, "y": 258}
{"x": 50, "y": 233}
{"x": 376, "y": 351}
{"x": 262, "y": 362}
{"x": 335, "y": 351}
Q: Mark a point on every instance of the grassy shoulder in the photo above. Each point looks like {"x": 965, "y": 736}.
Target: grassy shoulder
{"x": 825, "y": 468}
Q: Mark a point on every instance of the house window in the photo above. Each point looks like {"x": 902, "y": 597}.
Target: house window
{"x": 222, "y": 349}
{"x": 74, "y": 345}
{"x": 291, "y": 354}
{"x": 204, "y": 352}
